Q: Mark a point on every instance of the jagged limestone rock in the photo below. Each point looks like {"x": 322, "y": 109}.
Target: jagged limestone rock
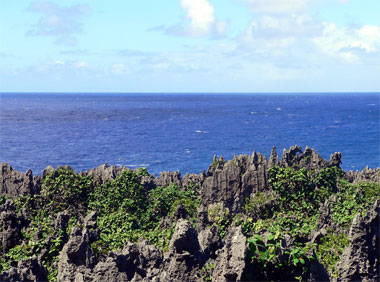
{"x": 360, "y": 259}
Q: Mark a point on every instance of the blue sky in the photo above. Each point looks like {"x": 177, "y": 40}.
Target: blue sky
{"x": 190, "y": 46}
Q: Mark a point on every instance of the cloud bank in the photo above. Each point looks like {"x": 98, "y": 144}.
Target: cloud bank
{"x": 61, "y": 23}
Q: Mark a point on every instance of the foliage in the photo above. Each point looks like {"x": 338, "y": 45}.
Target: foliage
{"x": 2, "y": 199}
{"x": 259, "y": 205}
{"x": 352, "y": 199}
{"x": 63, "y": 188}
{"x": 128, "y": 211}
{"x": 221, "y": 219}
{"x": 298, "y": 195}
{"x": 125, "y": 192}
{"x": 295, "y": 189}
{"x": 271, "y": 260}
{"x": 330, "y": 249}
{"x": 206, "y": 272}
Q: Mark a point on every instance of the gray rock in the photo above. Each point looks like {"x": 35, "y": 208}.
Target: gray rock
{"x": 230, "y": 263}
{"x": 103, "y": 173}
{"x": 168, "y": 177}
{"x": 273, "y": 158}
{"x": 309, "y": 159}
{"x": 10, "y": 234}
{"x": 367, "y": 174}
{"x": 46, "y": 171}
{"x": 77, "y": 256}
{"x": 26, "y": 270}
{"x": 184, "y": 238}
{"x": 360, "y": 259}
{"x": 236, "y": 180}
{"x": 14, "y": 183}
{"x": 210, "y": 241}
{"x": 184, "y": 260}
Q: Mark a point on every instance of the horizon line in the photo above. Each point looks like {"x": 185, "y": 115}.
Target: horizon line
{"x": 197, "y": 92}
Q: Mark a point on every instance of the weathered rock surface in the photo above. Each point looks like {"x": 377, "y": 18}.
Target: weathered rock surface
{"x": 26, "y": 270}
{"x": 308, "y": 159}
{"x": 77, "y": 255}
{"x": 10, "y": 234}
{"x": 226, "y": 185}
{"x": 14, "y": 183}
{"x": 168, "y": 177}
{"x": 360, "y": 259}
{"x": 103, "y": 173}
{"x": 230, "y": 262}
{"x": 367, "y": 174}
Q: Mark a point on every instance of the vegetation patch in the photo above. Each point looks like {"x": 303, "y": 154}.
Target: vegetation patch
{"x": 126, "y": 211}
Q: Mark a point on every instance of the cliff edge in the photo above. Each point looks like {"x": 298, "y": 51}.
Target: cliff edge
{"x": 298, "y": 218}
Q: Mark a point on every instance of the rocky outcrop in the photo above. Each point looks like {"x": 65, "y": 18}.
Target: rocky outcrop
{"x": 367, "y": 174}
{"x": 184, "y": 260}
{"x": 169, "y": 177}
{"x": 360, "y": 259}
{"x": 14, "y": 183}
{"x": 308, "y": 159}
{"x": 196, "y": 252}
{"x": 26, "y": 270}
{"x": 10, "y": 233}
{"x": 230, "y": 262}
{"x": 103, "y": 173}
{"x": 77, "y": 255}
{"x": 228, "y": 184}
{"x": 136, "y": 262}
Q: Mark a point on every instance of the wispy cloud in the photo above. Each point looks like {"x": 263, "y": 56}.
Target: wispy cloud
{"x": 62, "y": 23}
{"x": 277, "y": 6}
{"x": 200, "y": 20}
{"x": 299, "y": 26}
{"x": 75, "y": 52}
{"x": 134, "y": 53}
{"x": 349, "y": 43}
{"x": 6, "y": 55}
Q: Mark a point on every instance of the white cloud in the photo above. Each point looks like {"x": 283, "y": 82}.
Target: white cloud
{"x": 63, "y": 23}
{"x": 81, "y": 64}
{"x": 277, "y": 36}
{"x": 283, "y": 27}
{"x": 349, "y": 43}
{"x": 118, "y": 69}
{"x": 201, "y": 20}
{"x": 200, "y": 13}
{"x": 277, "y": 6}
{"x": 161, "y": 66}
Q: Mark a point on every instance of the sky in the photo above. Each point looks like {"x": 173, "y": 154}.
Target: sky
{"x": 190, "y": 46}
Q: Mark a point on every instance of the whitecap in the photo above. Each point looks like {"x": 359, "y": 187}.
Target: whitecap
{"x": 136, "y": 165}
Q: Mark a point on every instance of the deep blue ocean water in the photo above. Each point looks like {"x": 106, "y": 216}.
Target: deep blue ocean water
{"x": 183, "y": 131}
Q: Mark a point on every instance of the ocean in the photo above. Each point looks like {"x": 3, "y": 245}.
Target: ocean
{"x": 182, "y": 131}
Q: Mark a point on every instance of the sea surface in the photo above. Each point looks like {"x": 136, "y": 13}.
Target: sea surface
{"x": 182, "y": 131}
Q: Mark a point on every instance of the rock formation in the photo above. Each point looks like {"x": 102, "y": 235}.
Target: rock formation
{"x": 196, "y": 252}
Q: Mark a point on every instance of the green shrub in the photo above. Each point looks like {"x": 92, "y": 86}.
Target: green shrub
{"x": 63, "y": 188}
{"x": 128, "y": 211}
{"x": 330, "y": 249}
{"x": 270, "y": 260}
